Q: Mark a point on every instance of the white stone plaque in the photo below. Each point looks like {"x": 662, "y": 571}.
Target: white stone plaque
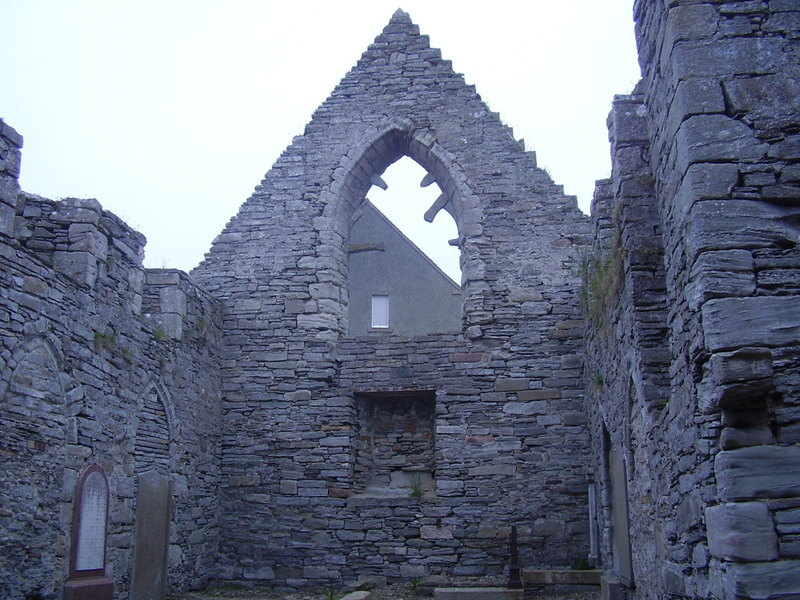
{"x": 90, "y": 553}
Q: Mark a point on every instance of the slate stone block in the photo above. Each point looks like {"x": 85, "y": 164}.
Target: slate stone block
{"x": 769, "y": 321}
{"x": 728, "y": 57}
{"x": 741, "y": 437}
{"x": 719, "y": 274}
{"x": 743, "y": 364}
{"x": 699, "y": 95}
{"x": 81, "y": 267}
{"x": 526, "y": 408}
{"x": 705, "y": 181}
{"x": 779, "y": 580}
{"x": 764, "y": 93}
{"x": 788, "y": 521}
{"x": 690, "y": 22}
{"x": 172, "y": 300}
{"x": 741, "y": 532}
{"x": 6, "y": 219}
{"x": 710, "y": 138}
{"x": 758, "y": 472}
{"x": 506, "y": 384}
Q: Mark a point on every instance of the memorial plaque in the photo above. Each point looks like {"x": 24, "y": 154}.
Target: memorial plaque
{"x": 87, "y": 580}
{"x": 90, "y": 553}
{"x": 151, "y": 540}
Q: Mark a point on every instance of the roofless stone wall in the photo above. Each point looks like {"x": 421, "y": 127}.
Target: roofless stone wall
{"x": 508, "y": 439}
{"x": 94, "y": 370}
{"x": 698, "y": 228}
{"x": 299, "y": 456}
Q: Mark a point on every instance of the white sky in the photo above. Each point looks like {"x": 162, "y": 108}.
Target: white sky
{"x": 169, "y": 112}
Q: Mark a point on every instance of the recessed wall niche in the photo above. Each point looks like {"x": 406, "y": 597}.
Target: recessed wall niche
{"x": 395, "y": 444}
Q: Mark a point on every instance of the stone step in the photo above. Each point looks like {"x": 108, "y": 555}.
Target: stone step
{"x": 356, "y": 596}
{"x": 476, "y": 593}
{"x": 561, "y": 576}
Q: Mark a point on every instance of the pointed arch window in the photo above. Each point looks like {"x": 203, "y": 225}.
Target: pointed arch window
{"x": 402, "y": 269}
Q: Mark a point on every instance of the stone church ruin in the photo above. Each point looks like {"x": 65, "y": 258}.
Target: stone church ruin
{"x": 624, "y": 388}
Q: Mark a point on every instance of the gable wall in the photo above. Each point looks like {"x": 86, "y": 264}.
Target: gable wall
{"x": 506, "y": 385}
{"x": 689, "y": 373}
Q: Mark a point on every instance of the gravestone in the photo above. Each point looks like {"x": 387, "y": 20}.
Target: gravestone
{"x": 151, "y": 539}
{"x": 87, "y": 580}
{"x": 619, "y": 515}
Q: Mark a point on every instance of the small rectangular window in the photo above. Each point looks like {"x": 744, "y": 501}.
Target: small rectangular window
{"x": 380, "y": 311}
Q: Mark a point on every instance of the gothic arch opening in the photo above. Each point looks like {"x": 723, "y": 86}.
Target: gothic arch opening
{"x": 362, "y": 168}
{"x": 153, "y": 503}
{"x": 153, "y": 433}
{"x": 398, "y": 252}
{"x": 32, "y": 440}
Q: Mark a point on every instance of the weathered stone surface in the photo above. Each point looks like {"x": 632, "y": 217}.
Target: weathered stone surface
{"x": 738, "y": 380}
{"x": 741, "y": 437}
{"x": 741, "y": 365}
{"x": 719, "y": 274}
{"x": 770, "y": 581}
{"x": 736, "y": 224}
{"x": 361, "y": 595}
{"x": 709, "y": 138}
{"x": 705, "y": 181}
{"x": 758, "y": 472}
{"x": 486, "y": 593}
{"x": 763, "y": 321}
{"x": 727, "y": 57}
{"x": 762, "y": 93}
{"x": 273, "y": 423}
{"x": 741, "y": 532}
{"x": 526, "y": 408}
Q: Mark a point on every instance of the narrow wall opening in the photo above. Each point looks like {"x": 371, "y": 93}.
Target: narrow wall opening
{"x": 395, "y": 444}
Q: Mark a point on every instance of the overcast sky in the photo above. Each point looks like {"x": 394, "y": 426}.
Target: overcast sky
{"x": 169, "y": 112}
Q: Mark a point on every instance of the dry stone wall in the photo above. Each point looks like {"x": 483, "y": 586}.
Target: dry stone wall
{"x": 710, "y": 156}
{"x": 92, "y": 372}
{"x": 509, "y": 439}
{"x": 300, "y": 456}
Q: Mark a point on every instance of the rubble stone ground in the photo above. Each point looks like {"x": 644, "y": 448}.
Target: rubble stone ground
{"x": 389, "y": 592}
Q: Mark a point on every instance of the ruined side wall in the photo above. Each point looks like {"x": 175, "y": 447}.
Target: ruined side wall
{"x": 291, "y": 377}
{"x": 718, "y": 102}
{"x": 85, "y": 361}
{"x": 664, "y": 443}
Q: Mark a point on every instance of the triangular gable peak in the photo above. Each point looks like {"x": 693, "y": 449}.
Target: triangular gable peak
{"x": 517, "y": 231}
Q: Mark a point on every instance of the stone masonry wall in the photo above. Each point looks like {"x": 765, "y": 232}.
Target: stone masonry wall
{"x": 510, "y": 438}
{"x": 81, "y": 367}
{"x": 717, "y": 465}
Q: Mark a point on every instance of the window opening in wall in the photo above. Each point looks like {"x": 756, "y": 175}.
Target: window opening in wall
{"x": 405, "y": 202}
{"x": 380, "y": 311}
{"x": 395, "y": 444}
{"x": 393, "y": 252}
